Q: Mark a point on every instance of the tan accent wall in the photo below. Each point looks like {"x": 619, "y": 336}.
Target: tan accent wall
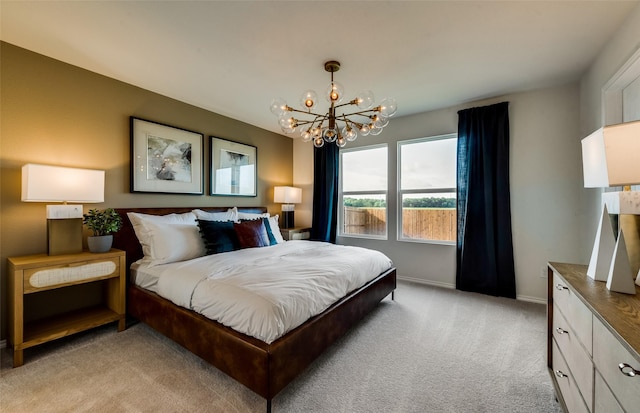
{"x": 57, "y": 114}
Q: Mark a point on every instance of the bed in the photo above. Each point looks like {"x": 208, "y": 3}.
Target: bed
{"x": 265, "y": 368}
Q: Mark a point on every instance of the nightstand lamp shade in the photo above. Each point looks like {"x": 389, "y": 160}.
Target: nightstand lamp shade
{"x": 611, "y": 157}
{"x": 287, "y": 196}
{"x": 43, "y": 183}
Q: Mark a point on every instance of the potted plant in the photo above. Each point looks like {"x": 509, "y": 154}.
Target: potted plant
{"x": 103, "y": 224}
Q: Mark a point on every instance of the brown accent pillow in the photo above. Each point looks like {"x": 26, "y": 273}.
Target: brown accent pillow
{"x": 252, "y": 234}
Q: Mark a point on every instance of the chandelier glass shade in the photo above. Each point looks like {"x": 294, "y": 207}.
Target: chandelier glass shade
{"x": 338, "y": 125}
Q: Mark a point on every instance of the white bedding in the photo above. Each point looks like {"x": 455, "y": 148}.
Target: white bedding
{"x": 265, "y": 292}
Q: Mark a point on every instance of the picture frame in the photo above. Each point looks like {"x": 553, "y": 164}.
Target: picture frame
{"x": 166, "y": 159}
{"x": 233, "y": 168}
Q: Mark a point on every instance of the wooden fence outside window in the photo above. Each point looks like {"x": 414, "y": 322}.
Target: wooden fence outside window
{"x": 417, "y": 223}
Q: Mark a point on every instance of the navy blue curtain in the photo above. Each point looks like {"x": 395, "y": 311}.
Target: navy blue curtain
{"x": 484, "y": 244}
{"x": 325, "y": 193}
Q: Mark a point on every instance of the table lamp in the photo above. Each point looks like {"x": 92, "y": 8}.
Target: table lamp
{"x": 287, "y": 196}
{"x": 43, "y": 183}
{"x": 611, "y": 157}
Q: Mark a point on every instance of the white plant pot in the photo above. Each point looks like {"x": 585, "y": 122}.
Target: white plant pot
{"x": 100, "y": 244}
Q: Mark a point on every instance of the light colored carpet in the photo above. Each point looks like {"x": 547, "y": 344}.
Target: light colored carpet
{"x": 431, "y": 350}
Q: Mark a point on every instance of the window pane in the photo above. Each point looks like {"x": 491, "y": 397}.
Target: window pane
{"x": 428, "y": 164}
{"x": 364, "y": 215}
{"x": 364, "y": 170}
{"x": 429, "y": 216}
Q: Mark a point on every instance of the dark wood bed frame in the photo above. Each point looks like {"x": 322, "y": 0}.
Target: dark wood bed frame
{"x": 264, "y": 368}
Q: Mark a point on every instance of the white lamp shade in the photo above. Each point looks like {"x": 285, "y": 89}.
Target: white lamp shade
{"x": 287, "y": 195}
{"x": 42, "y": 183}
{"x": 611, "y": 156}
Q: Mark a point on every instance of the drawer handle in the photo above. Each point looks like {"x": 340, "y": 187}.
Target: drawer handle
{"x": 561, "y": 331}
{"x": 560, "y": 374}
{"x": 561, "y": 287}
{"x": 627, "y": 370}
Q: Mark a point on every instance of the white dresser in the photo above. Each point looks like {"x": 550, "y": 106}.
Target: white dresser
{"x": 593, "y": 343}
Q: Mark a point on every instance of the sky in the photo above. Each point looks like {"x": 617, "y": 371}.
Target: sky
{"x": 427, "y": 164}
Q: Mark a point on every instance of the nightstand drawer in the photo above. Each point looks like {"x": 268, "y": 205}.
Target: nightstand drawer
{"x": 300, "y": 235}
{"x": 35, "y": 273}
{"x": 45, "y": 278}
{"x": 291, "y": 234}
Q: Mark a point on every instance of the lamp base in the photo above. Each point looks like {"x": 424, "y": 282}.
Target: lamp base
{"x": 288, "y": 220}
{"x": 64, "y": 236}
{"x": 615, "y": 257}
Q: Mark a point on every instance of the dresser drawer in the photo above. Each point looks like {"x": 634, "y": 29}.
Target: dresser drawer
{"x": 574, "y": 354}
{"x": 605, "y": 401}
{"x": 608, "y": 353}
{"x": 568, "y": 387}
{"x": 575, "y": 312}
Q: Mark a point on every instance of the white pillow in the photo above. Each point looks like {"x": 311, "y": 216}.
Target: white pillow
{"x": 230, "y": 214}
{"x": 167, "y": 238}
{"x": 174, "y": 242}
{"x": 252, "y": 215}
{"x": 184, "y": 218}
{"x": 275, "y": 229}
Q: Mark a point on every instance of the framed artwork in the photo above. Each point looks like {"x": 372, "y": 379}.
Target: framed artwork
{"x": 165, "y": 159}
{"x": 233, "y": 168}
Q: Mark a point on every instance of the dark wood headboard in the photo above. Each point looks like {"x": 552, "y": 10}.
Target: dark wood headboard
{"x": 126, "y": 239}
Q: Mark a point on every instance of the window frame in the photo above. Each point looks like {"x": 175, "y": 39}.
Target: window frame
{"x": 401, "y": 192}
{"x": 341, "y": 194}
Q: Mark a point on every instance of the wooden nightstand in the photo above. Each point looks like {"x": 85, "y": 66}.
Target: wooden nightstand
{"x": 36, "y": 273}
{"x": 295, "y": 233}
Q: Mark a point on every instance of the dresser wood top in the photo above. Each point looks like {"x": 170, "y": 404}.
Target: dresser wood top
{"x": 619, "y": 312}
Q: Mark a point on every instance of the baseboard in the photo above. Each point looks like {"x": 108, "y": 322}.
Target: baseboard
{"x": 530, "y": 299}
{"x": 527, "y": 298}
{"x": 428, "y": 282}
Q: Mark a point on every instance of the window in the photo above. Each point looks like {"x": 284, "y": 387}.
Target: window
{"x": 427, "y": 189}
{"x": 363, "y": 192}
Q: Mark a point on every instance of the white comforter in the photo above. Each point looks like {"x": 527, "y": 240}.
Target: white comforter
{"x": 266, "y": 292}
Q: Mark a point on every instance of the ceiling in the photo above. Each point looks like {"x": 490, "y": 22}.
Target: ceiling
{"x": 233, "y": 57}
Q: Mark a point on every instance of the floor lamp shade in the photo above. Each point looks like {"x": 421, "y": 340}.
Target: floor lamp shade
{"x": 43, "y": 183}
{"x": 287, "y": 196}
{"x": 611, "y": 157}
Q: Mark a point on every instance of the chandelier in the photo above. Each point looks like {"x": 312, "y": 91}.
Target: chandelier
{"x": 338, "y": 124}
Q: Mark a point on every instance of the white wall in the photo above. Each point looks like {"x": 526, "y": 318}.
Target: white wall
{"x": 631, "y": 101}
{"x": 546, "y": 188}
{"x": 624, "y": 44}
{"x": 553, "y": 216}
{"x": 614, "y": 56}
